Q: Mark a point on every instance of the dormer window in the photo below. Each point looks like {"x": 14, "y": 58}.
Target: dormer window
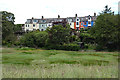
{"x": 33, "y": 25}
{"x": 89, "y": 22}
{"x": 77, "y": 23}
{"x": 81, "y": 23}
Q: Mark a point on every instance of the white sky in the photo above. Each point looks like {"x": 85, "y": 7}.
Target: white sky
{"x": 26, "y": 9}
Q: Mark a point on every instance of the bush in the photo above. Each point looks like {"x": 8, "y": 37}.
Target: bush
{"x": 74, "y": 38}
{"x": 91, "y": 46}
{"x": 87, "y": 38}
{"x": 34, "y": 39}
{"x": 58, "y": 35}
{"x": 41, "y": 38}
{"x": 71, "y": 47}
{"x": 28, "y": 40}
{"x": 68, "y": 47}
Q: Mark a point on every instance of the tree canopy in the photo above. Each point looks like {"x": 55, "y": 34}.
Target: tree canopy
{"x": 7, "y": 26}
{"x": 106, "y": 30}
{"x": 59, "y": 34}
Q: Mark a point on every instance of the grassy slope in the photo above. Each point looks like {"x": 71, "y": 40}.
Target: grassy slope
{"x": 23, "y": 63}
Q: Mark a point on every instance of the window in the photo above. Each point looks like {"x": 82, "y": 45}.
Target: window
{"x": 70, "y": 23}
{"x": 77, "y": 19}
{"x": 81, "y": 23}
{"x": 77, "y": 23}
{"x": 34, "y": 20}
{"x": 28, "y": 21}
{"x": 26, "y": 25}
{"x": 89, "y": 22}
{"x": 42, "y": 29}
{"x": 33, "y": 25}
{"x": 42, "y": 25}
{"x": 89, "y": 18}
{"x": 43, "y": 21}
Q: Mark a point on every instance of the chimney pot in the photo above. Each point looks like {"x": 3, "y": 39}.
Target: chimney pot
{"x": 42, "y": 17}
{"x": 58, "y": 16}
{"x": 94, "y": 14}
{"x": 75, "y": 15}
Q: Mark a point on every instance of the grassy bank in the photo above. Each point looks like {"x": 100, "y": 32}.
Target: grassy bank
{"x": 37, "y": 63}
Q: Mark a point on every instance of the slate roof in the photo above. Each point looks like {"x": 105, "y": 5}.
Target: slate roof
{"x": 50, "y": 20}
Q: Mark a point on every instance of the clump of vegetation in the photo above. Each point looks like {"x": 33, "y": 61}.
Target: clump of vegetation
{"x": 34, "y": 39}
{"x": 106, "y": 30}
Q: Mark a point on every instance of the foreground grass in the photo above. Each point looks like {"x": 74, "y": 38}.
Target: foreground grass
{"x": 36, "y": 63}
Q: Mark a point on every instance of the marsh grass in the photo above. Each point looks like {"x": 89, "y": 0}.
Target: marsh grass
{"x": 39, "y": 63}
{"x": 59, "y": 71}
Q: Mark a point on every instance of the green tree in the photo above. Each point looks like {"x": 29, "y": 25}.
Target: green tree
{"x": 18, "y": 27}
{"x": 106, "y": 10}
{"x": 58, "y": 35}
{"x": 105, "y": 30}
{"x": 41, "y": 37}
{"x": 7, "y": 27}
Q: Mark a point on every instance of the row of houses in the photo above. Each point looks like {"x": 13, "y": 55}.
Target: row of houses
{"x": 75, "y": 22}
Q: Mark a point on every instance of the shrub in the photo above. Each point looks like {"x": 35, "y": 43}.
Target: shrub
{"x": 34, "y": 39}
{"x": 68, "y": 47}
{"x": 41, "y": 38}
{"x": 74, "y": 38}
{"x": 58, "y": 34}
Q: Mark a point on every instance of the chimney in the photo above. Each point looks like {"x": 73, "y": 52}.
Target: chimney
{"x": 32, "y": 17}
{"x": 94, "y": 14}
{"x": 42, "y": 17}
{"x": 58, "y": 16}
{"x": 75, "y": 15}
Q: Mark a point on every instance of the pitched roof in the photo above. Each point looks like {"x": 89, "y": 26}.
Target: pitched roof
{"x": 50, "y": 20}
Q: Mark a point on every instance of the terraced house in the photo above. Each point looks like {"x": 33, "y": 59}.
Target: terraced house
{"x": 75, "y": 22}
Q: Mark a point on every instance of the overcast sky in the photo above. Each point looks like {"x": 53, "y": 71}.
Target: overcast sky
{"x": 26, "y": 9}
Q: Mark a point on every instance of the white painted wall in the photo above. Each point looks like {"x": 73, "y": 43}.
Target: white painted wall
{"x": 36, "y": 26}
{"x": 72, "y": 25}
{"x": 44, "y": 26}
{"x": 77, "y": 21}
{"x": 89, "y": 20}
{"x": 30, "y": 27}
